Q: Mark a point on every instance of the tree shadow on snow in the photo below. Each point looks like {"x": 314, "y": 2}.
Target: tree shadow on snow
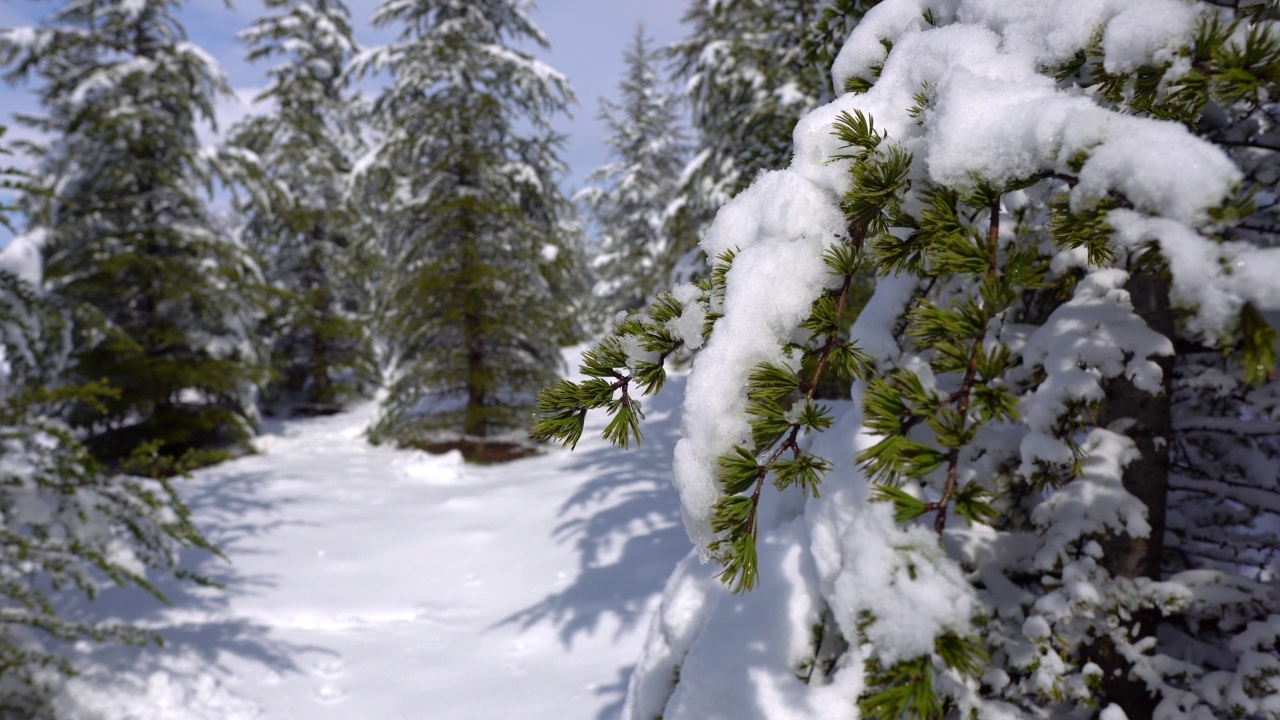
{"x": 617, "y": 690}
{"x": 197, "y": 622}
{"x": 625, "y": 523}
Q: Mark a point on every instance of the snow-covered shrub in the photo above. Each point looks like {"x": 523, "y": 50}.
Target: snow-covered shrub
{"x": 65, "y": 525}
{"x": 1055, "y": 490}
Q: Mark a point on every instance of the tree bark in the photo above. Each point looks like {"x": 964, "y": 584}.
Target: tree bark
{"x": 1146, "y": 478}
{"x": 319, "y": 297}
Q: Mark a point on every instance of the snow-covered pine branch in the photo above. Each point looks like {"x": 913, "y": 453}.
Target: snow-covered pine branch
{"x": 1010, "y": 523}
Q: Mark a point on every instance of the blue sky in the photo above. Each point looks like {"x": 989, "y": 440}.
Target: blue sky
{"x": 587, "y": 38}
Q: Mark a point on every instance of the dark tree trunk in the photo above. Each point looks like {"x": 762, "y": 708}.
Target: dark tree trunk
{"x": 322, "y": 387}
{"x": 1146, "y": 478}
{"x": 475, "y": 420}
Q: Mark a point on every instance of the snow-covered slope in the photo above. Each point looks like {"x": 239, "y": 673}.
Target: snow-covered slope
{"x": 366, "y": 582}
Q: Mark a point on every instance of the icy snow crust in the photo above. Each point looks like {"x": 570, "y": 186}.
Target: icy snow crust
{"x": 992, "y": 115}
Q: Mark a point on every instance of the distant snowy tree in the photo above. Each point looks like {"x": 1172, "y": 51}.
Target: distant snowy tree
{"x": 300, "y": 218}
{"x": 65, "y": 525}
{"x": 127, "y": 235}
{"x": 1056, "y": 493}
{"x": 12, "y": 182}
{"x": 475, "y": 231}
{"x": 752, "y": 69}
{"x": 630, "y": 196}
{"x": 824, "y": 32}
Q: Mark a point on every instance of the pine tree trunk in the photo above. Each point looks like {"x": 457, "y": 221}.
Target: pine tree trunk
{"x": 1146, "y": 478}
{"x": 322, "y": 387}
{"x": 474, "y": 424}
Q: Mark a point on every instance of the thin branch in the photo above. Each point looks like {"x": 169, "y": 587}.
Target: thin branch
{"x": 962, "y": 395}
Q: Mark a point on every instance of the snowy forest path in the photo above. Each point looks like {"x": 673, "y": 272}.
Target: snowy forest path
{"x": 366, "y": 582}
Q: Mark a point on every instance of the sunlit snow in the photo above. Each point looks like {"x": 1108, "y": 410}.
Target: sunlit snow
{"x": 366, "y": 582}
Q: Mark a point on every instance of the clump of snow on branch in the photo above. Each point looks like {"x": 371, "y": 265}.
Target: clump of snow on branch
{"x": 780, "y": 227}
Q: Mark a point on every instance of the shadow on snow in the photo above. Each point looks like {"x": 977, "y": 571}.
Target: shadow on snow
{"x": 196, "y": 623}
{"x": 624, "y": 522}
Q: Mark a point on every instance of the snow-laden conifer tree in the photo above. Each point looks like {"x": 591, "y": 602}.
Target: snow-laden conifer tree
{"x": 481, "y": 255}
{"x": 1055, "y": 491}
{"x": 752, "y": 68}
{"x": 128, "y": 238}
{"x": 631, "y": 195}
{"x": 300, "y": 218}
{"x": 65, "y": 525}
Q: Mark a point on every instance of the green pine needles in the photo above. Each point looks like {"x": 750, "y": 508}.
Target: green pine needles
{"x": 630, "y": 360}
{"x": 926, "y": 428}
{"x": 907, "y": 689}
{"x": 783, "y": 408}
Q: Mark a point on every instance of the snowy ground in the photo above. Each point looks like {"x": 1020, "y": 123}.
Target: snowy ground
{"x": 368, "y": 583}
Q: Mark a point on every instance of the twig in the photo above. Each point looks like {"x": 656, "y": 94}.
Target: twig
{"x": 970, "y": 377}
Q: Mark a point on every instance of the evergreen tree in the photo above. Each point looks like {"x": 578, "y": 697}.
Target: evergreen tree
{"x": 475, "y": 229}
{"x": 753, "y": 68}
{"x": 1055, "y": 493}
{"x": 128, "y": 238}
{"x": 301, "y": 219}
{"x": 632, "y": 194}
{"x": 65, "y": 525}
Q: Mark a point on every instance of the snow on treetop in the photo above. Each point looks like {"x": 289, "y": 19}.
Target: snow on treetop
{"x": 1135, "y": 32}
{"x": 21, "y": 257}
{"x": 133, "y": 8}
{"x": 993, "y": 114}
{"x": 24, "y": 37}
